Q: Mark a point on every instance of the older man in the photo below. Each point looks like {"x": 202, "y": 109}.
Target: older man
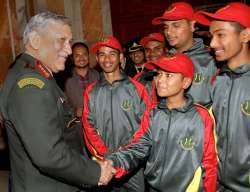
{"x": 36, "y": 114}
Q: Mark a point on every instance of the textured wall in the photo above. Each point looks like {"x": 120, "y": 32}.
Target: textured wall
{"x": 9, "y": 36}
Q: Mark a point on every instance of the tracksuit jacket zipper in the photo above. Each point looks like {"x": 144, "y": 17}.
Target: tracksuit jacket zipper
{"x": 227, "y": 136}
{"x": 165, "y": 152}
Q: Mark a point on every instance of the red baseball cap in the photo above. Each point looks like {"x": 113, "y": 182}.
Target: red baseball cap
{"x": 152, "y": 37}
{"x": 109, "y": 41}
{"x": 178, "y": 63}
{"x": 177, "y": 11}
{"x": 233, "y": 12}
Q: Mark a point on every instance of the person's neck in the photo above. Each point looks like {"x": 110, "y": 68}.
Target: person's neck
{"x": 176, "y": 101}
{"x": 141, "y": 65}
{"x": 82, "y": 71}
{"x": 185, "y": 47}
{"x": 111, "y": 77}
{"x": 242, "y": 58}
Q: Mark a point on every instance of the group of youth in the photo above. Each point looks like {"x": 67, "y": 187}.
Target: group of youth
{"x": 154, "y": 127}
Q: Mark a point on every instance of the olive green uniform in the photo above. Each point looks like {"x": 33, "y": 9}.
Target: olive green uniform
{"x": 36, "y": 115}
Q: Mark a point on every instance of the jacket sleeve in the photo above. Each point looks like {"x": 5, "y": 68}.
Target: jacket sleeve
{"x": 92, "y": 138}
{"x": 37, "y": 116}
{"x": 209, "y": 157}
{"x": 128, "y": 157}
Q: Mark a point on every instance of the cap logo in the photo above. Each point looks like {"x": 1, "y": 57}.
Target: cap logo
{"x": 135, "y": 45}
{"x": 103, "y": 39}
{"x": 126, "y": 105}
{"x": 171, "y": 10}
{"x": 245, "y": 107}
{"x": 223, "y": 8}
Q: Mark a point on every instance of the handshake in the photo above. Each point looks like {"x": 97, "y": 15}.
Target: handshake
{"x": 107, "y": 171}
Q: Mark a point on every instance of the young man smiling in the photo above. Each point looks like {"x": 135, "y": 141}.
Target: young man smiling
{"x": 230, "y": 30}
{"x": 114, "y": 108}
{"x": 179, "y": 24}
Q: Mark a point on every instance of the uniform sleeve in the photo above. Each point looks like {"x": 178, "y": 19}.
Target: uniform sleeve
{"x": 209, "y": 157}
{"x": 38, "y": 121}
{"x": 129, "y": 157}
{"x": 92, "y": 138}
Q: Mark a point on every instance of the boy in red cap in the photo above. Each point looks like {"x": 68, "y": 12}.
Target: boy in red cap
{"x": 179, "y": 24}
{"x": 155, "y": 47}
{"x": 230, "y": 30}
{"x": 178, "y": 146}
{"x": 114, "y": 108}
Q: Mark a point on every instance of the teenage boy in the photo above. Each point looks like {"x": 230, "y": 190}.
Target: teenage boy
{"x": 230, "y": 30}
{"x": 114, "y": 108}
{"x": 179, "y": 24}
{"x": 178, "y": 145}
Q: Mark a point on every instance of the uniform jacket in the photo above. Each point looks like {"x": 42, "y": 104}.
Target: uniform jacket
{"x": 231, "y": 107}
{"x": 179, "y": 149}
{"x": 36, "y": 115}
{"x": 205, "y": 69}
{"x": 112, "y": 113}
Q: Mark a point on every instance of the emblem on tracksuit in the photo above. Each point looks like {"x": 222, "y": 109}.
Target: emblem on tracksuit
{"x": 187, "y": 143}
{"x": 198, "y": 78}
{"x": 245, "y": 107}
{"x": 126, "y": 105}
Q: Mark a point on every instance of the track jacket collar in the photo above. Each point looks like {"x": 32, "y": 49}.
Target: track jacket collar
{"x": 236, "y": 72}
{"x": 103, "y": 80}
{"x": 189, "y": 104}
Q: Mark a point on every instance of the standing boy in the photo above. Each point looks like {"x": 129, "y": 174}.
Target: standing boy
{"x": 230, "y": 30}
{"x": 179, "y": 145}
{"x": 114, "y": 108}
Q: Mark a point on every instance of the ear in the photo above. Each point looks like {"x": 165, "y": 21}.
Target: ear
{"x": 121, "y": 57}
{"x": 34, "y": 40}
{"x": 96, "y": 57}
{"x": 187, "y": 82}
{"x": 245, "y": 35}
{"x": 192, "y": 25}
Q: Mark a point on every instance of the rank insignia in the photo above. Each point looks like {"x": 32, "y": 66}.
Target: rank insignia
{"x": 245, "y": 107}
{"x": 31, "y": 81}
{"x": 126, "y": 105}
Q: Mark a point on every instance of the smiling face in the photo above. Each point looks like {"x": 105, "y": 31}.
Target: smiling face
{"x": 54, "y": 46}
{"x": 137, "y": 57}
{"x": 153, "y": 50}
{"x": 179, "y": 34}
{"x": 80, "y": 56}
{"x": 225, "y": 41}
{"x": 109, "y": 59}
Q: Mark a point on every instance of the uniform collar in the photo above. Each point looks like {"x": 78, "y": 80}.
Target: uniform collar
{"x": 104, "y": 81}
{"x": 236, "y": 72}
{"x": 34, "y": 64}
{"x": 189, "y": 104}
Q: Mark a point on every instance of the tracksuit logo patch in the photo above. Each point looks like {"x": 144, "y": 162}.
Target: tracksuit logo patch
{"x": 187, "y": 143}
{"x": 198, "y": 78}
{"x": 126, "y": 105}
{"x": 245, "y": 107}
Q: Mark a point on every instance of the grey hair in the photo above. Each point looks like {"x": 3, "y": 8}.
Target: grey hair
{"x": 41, "y": 20}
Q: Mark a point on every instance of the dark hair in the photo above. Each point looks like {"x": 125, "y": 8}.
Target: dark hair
{"x": 238, "y": 27}
{"x": 80, "y": 44}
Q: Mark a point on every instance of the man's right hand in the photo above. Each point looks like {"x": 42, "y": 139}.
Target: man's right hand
{"x": 107, "y": 172}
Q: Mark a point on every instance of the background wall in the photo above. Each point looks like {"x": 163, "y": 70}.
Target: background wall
{"x": 91, "y": 20}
